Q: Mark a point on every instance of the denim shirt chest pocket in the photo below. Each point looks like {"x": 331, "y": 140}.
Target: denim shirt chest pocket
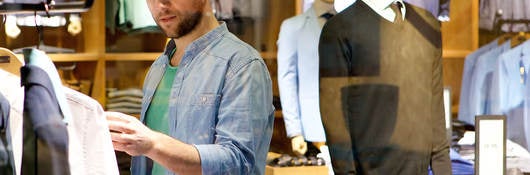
{"x": 205, "y": 100}
{"x": 199, "y": 116}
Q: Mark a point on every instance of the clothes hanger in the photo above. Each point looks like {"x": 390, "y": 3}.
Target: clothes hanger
{"x": 504, "y": 37}
{"x": 10, "y": 62}
{"x": 519, "y": 38}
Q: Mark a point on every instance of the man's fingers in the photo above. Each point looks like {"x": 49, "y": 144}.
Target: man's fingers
{"x": 120, "y": 126}
{"x": 119, "y": 146}
{"x": 118, "y": 116}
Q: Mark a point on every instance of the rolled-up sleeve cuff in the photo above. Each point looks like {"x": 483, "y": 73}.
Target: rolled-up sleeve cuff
{"x": 206, "y": 154}
{"x": 213, "y": 161}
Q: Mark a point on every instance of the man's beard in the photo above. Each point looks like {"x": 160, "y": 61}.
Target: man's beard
{"x": 189, "y": 23}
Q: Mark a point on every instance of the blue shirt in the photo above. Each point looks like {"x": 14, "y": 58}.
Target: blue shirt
{"x": 464, "y": 112}
{"x": 508, "y": 92}
{"x": 298, "y": 76}
{"x": 481, "y": 80}
{"x": 220, "y": 102}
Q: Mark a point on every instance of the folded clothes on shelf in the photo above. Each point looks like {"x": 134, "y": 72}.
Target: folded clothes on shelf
{"x": 286, "y": 160}
{"x": 125, "y": 99}
{"x": 126, "y": 93}
{"x": 125, "y": 105}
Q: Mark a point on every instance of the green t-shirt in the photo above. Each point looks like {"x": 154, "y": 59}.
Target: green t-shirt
{"x": 157, "y": 114}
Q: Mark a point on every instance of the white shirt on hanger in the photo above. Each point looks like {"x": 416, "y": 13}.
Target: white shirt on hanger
{"x": 90, "y": 147}
{"x": 381, "y": 7}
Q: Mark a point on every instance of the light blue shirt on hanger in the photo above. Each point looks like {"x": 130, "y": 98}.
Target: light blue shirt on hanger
{"x": 481, "y": 80}
{"x": 464, "y": 114}
{"x": 298, "y": 76}
{"x": 508, "y": 92}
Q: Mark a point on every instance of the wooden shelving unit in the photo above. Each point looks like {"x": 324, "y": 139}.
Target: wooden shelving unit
{"x": 139, "y": 56}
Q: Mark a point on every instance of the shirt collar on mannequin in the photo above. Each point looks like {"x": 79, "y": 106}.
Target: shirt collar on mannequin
{"x": 379, "y": 5}
{"x": 322, "y": 7}
{"x": 382, "y": 7}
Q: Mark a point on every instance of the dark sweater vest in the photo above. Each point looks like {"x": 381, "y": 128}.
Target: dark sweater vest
{"x": 381, "y": 93}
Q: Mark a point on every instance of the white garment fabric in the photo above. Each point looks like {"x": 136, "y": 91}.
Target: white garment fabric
{"x": 340, "y": 5}
{"x": 381, "y": 7}
{"x": 307, "y": 4}
{"x": 90, "y": 147}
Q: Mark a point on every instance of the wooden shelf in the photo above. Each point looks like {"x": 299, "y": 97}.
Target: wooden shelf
{"x": 74, "y": 57}
{"x": 269, "y": 55}
{"x": 69, "y": 57}
{"x": 139, "y": 56}
{"x": 455, "y": 54}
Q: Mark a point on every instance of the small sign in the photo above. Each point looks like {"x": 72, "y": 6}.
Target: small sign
{"x": 490, "y": 145}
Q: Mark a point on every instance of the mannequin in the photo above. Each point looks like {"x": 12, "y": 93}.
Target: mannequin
{"x": 381, "y": 90}
{"x": 438, "y": 8}
{"x": 10, "y": 62}
{"x": 298, "y": 76}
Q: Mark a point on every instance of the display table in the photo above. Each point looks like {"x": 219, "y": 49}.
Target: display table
{"x": 305, "y": 170}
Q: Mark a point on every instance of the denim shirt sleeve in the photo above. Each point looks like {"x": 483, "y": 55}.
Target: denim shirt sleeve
{"x": 244, "y": 123}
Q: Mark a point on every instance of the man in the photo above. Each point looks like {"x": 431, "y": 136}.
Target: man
{"x": 207, "y": 100}
{"x": 381, "y": 90}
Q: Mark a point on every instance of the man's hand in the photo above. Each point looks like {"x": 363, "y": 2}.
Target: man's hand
{"x": 129, "y": 134}
{"x": 299, "y": 145}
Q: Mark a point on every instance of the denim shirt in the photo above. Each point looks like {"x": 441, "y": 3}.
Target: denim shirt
{"x": 220, "y": 102}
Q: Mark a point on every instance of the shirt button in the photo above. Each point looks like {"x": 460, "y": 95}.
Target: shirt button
{"x": 203, "y": 99}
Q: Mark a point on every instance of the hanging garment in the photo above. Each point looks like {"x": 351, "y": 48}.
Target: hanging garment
{"x": 7, "y": 163}
{"x": 481, "y": 81}
{"x": 134, "y": 16}
{"x": 464, "y": 114}
{"x": 509, "y": 91}
{"x": 89, "y": 124}
{"x": 45, "y": 135}
{"x": 381, "y": 95}
{"x": 438, "y": 8}
{"x": 492, "y": 11}
{"x": 298, "y": 76}
{"x": 14, "y": 94}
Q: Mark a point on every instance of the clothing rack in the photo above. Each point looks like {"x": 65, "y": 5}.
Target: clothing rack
{"x": 498, "y": 23}
{"x": 45, "y": 7}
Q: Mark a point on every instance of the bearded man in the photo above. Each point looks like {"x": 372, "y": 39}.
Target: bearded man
{"x": 207, "y": 105}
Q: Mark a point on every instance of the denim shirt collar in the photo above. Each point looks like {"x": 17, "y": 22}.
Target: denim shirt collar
{"x": 199, "y": 44}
